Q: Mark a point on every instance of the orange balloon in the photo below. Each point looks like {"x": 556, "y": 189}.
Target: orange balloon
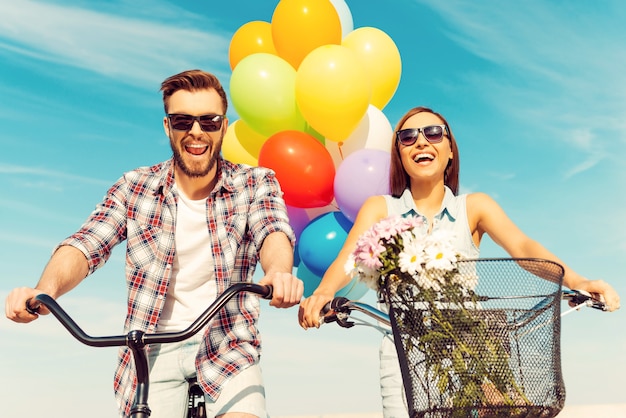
{"x": 253, "y": 37}
{"x": 300, "y": 26}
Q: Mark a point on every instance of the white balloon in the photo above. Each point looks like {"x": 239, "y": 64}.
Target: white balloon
{"x": 345, "y": 17}
{"x": 373, "y": 132}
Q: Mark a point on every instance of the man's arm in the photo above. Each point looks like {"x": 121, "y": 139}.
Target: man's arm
{"x": 65, "y": 270}
{"x": 276, "y": 258}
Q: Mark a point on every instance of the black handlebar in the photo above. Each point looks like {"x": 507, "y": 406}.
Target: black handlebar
{"x": 339, "y": 309}
{"x": 137, "y": 340}
{"x": 581, "y": 297}
{"x": 166, "y": 337}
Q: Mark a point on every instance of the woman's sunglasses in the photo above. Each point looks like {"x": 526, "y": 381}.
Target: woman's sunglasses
{"x": 208, "y": 123}
{"x": 433, "y": 134}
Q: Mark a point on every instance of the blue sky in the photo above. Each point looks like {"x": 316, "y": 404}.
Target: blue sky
{"x": 535, "y": 92}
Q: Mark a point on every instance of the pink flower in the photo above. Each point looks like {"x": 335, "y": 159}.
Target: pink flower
{"x": 369, "y": 250}
{"x": 386, "y": 228}
{"x": 411, "y": 222}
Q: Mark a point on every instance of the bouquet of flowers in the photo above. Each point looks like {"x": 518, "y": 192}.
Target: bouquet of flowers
{"x": 462, "y": 348}
{"x": 394, "y": 246}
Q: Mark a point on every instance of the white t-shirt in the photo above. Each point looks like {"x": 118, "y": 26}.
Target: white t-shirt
{"x": 193, "y": 286}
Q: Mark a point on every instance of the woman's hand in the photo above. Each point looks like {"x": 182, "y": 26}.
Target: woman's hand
{"x": 602, "y": 288}
{"x": 310, "y": 309}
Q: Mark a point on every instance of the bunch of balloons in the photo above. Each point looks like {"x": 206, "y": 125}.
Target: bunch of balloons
{"x": 309, "y": 90}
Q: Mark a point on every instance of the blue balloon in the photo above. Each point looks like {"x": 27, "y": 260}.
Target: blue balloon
{"x": 310, "y": 279}
{"x": 354, "y": 290}
{"x": 321, "y": 240}
{"x": 296, "y": 256}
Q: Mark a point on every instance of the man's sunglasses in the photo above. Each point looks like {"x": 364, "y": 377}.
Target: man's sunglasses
{"x": 208, "y": 123}
{"x": 433, "y": 134}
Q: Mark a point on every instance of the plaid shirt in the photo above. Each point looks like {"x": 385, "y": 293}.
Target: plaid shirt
{"x": 245, "y": 207}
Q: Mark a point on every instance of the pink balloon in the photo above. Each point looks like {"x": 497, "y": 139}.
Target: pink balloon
{"x": 362, "y": 174}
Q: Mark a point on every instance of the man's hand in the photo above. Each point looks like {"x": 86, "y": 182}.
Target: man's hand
{"x": 288, "y": 289}
{"x": 15, "y": 305}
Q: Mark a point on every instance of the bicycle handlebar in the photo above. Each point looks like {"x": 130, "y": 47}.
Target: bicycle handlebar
{"x": 582, "y": 297}
{"x": 340, "y": 308}
{"x": 166, "y": 337}
{"x": 136, "y": 340}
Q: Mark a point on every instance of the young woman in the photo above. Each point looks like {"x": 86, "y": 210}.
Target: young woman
{"x": 424, "y": 178}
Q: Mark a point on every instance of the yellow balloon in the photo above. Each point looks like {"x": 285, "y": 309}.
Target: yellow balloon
{"x": 253, "y": 37}
{"x": 381, "y": 58}
{"x": 233, "y": 151}
{"x": 250, "y": 140}
{"x": 333, "y": 91}
{"x": 300, "y": 26}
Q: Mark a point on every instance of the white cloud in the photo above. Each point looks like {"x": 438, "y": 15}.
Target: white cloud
{"x": 560, "y": 68}
{"x": 42, "y": 173}
{"x": 134, "y": 49}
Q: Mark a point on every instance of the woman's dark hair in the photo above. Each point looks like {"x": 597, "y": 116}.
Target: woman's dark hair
{"x": 399, "y": 179}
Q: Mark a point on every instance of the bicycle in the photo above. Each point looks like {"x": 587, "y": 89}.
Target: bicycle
{"x": 137, "y": 341}
{"x": 496, "y": 353}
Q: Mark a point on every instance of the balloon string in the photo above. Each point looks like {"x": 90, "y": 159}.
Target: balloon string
{"x": 339, "y": 144}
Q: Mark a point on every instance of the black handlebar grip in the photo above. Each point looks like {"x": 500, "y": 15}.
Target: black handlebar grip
{"x": 32, "y": 309}
{"x": 338, "y": 303}
{"x": 325, "y": 309}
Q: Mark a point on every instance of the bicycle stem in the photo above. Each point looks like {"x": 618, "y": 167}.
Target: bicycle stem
{"x": 135, "y": 342}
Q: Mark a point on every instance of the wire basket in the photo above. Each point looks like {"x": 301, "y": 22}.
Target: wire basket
{"x": 491, "y": 352}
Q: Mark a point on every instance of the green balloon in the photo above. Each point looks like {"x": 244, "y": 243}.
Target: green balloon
{"x": 262, "y": 89}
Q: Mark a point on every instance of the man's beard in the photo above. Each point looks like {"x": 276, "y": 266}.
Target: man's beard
{"x": 201, "y": 169}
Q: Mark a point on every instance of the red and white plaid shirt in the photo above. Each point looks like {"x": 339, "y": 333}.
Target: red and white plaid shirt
{"x": 243, "y": 209}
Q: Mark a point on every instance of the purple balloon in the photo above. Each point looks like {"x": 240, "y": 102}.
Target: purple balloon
{"x": 362, "y": 174}
{"x": 298, "y": 219}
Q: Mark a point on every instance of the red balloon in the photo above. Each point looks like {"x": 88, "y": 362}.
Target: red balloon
{"x": 303, "y": 167}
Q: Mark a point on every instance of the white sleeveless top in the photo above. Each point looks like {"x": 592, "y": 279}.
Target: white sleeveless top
{"x": 452, "y": 216}
{"x": 193, "y": 286}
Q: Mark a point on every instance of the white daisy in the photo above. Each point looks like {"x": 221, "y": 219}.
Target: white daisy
{"x": 440, "y": 256}
{"x": 412, "y": 256}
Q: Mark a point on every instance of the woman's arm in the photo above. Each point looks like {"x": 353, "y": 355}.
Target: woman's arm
{"x": 488, "y": 217}
{"x": 373, "y": 210}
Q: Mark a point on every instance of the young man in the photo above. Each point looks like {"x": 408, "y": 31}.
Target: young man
{"x": 193, "y": 224}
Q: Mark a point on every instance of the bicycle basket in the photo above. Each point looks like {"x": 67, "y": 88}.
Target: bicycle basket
{"x": 490, "y": 352}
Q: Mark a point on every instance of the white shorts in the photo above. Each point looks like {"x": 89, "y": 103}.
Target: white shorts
{"x": 391, "y": 386}
{"x": 171, "y": 365}
{"x": 243, "y": 393}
